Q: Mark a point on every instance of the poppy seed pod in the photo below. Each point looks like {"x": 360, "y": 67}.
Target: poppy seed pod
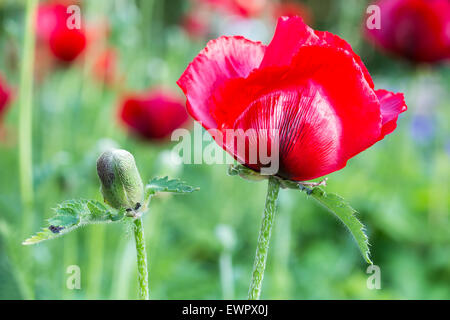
{"x": 121, "y": 184}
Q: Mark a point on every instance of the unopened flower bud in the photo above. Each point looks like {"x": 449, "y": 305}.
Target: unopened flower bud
{"x": 121, "y": 184}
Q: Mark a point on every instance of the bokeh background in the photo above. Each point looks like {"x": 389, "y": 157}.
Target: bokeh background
{"x": 202, "y": 246}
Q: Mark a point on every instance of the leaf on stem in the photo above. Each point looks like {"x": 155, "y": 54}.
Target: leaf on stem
{"x": 165, "y": 185}
{"x": 71, "y": 215}
{"x": 245, "y": 173}
{"x": 346, "y": 214}
{"x": 340, "y": 208}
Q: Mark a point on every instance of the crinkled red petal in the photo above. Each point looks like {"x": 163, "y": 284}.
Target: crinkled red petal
{"x": 292, "y": 34}
{"x": 391, "y": 105}
{"x": 324, "y": 110}
{"x": 223, "y": 59}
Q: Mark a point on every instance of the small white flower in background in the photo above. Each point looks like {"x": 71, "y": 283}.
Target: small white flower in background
{"x": 105, "y": 144}
{"x": 169, "y": 163}
{"x": 226, "y": 236}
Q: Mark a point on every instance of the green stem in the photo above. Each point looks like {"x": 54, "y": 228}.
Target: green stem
{"x": 226, "y": 275}
{"x": 95, "y": 252}
{"x": 262, "y": 249}
{"x": 141, "y": 259}
{"x": 25, "y": 114}
{"x": 25, "y": 142}
{"x": 124, "y": 261}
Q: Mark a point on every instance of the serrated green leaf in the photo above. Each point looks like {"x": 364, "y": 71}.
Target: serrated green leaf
{"x": 346, "y": 214}
{"x": 97, "y": 209}
{"x": 45, "y": 234}
{"x": 64, "y": 220}
{"x": 74, "y": 214}
{"x": 165, "y": 185}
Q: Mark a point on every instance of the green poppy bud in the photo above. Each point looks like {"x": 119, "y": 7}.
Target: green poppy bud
{"x": 121, "y": 184}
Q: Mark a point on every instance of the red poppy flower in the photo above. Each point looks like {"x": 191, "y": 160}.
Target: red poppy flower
{"x": 307, "y": 85}
{"x": 153, "y": 115}
{"x": 418, "y": 30}
{"x": 52, "y": 31}
{"x": 5, "y": 96}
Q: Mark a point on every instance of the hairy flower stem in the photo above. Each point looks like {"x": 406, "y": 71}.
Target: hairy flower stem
{"x": 25, "y": 115}
{"x": 141, "y": 259}
{"x": 262, "y": 249}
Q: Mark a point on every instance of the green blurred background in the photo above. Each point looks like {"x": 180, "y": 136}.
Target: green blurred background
{"x": 400, "y": 186}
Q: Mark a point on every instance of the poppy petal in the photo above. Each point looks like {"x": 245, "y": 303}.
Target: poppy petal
{"x": 307, "y": 127}
{"x": 392, "y": 104}
{"x": 292, "y": 33}
{"x": 337, "y": 42}
{"x": 319, "y": 123}
{"x": 222, "y": 59}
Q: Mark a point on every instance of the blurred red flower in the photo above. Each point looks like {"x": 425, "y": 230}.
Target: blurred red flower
{"x": 307, "y": 85}
{"x": 153, "y": 115}
{"x": 195, "y": 24}
{"x": 5, "y": 96}
{"x": 418, "y": 30}
{"x": 105, "y": 66}
{"x": 244, "y": 8}
{"x": 292, "y": 9}
{"x": 64, "y": 43}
